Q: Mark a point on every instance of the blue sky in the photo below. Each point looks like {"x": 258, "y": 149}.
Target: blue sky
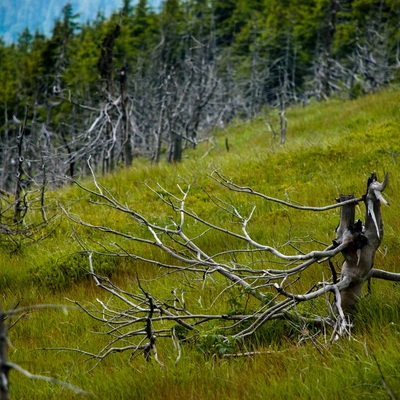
{"x": 16, "y": 15}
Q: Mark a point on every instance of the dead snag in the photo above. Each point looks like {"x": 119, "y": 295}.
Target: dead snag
{"x": 363, "y": 240}
{"x": 4, "y": 366}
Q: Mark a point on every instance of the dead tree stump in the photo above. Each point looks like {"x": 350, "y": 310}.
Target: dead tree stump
{"x": 363, "y": 240}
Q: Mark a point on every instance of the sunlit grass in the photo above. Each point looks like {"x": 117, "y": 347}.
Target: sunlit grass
{"x": 331, "y": 148}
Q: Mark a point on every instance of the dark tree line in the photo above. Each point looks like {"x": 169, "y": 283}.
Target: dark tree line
{"x": 150, "y": 84}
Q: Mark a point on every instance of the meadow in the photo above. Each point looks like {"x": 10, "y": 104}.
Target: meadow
{"x": 331, "y": 148}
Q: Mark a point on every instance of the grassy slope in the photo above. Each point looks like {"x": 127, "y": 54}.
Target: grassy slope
{"x": 331, "y": 149}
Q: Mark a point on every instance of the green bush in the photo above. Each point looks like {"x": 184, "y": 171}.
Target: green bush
{"x": 211, "y": 344}
{"x": 60, "y": 273}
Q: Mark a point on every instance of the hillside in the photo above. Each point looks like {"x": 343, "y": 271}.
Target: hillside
{"x": 153, "y": 83}
{"x": 331, "y": 148}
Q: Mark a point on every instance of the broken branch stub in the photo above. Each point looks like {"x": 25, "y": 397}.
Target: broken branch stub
{"x": 362, "y": 241}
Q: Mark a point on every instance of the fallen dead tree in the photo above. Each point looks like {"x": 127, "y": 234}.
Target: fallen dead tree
{"x": 136, "y": 319}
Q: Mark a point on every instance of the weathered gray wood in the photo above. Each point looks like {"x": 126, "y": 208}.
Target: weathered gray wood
{"x": 363, "y": 240}
{"x": 4, "y": 367}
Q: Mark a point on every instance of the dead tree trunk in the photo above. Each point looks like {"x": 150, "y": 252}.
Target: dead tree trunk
{"x": 363, "y": 240}
{"x": 19, "y": 206}
{"x": 175, "y": 149}
{"x": 126, "y": 134}
{"x": 282, "y": 119}
{"x": 4, "y": 367}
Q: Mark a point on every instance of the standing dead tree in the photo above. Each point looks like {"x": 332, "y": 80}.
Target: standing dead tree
{"x": 136, "y": 318}
{"x": 23, "y": 193}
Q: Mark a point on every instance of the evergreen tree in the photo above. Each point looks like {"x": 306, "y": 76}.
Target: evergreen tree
{"x": 171, "y": 73}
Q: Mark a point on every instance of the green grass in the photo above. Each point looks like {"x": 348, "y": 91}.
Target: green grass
{"x": 331, "y": 148}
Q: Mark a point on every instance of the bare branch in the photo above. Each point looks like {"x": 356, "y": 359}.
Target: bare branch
{"x": 386, "y": 275}
{"x": 218, "y": 177}
{"x": 6, "y": 366}
{"x": 67, "y": 385}
{"x": 142, "y": 317}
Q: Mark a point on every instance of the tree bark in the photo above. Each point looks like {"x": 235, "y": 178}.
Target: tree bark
{"x": 175, "y": 151}
{"x": 4, "y": 367}
{"x": 363, "y": 240}
{"x": 127, "y": 146}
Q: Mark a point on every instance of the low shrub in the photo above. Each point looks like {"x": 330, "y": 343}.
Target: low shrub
{"x": 60, "y": 273}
